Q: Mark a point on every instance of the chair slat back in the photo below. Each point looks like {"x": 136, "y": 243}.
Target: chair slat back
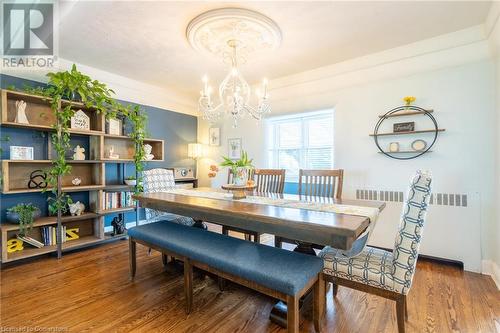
{"x": 270, "y": 180}
{"x": 322, "y": 183}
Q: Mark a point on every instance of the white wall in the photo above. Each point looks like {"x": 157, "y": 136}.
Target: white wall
{"x": 457, "y": 82}
{"x": 492, "y": 264}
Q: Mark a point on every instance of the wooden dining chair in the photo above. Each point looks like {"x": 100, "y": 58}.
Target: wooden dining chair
{"x": 384, "y": 273}
{"x": 319, "y": 183}
{"x": 267, "y": 181}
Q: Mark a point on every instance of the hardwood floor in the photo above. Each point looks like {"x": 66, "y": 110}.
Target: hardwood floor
{"x": 89, "y": 291}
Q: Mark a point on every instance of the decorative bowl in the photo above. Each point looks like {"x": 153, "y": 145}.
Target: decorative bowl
{"x": 131, "y": 182}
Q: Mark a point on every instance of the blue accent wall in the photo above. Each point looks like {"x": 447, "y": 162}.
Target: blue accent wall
{"x": 176, "y": 129}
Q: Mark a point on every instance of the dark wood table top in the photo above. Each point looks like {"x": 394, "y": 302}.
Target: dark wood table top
{"x": 325, "y": 228}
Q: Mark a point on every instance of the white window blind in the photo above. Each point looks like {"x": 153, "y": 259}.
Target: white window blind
{"x": 303, "y": 141}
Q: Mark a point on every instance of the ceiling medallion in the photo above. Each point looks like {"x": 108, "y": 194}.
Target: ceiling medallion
{"x": 233, "y": 34}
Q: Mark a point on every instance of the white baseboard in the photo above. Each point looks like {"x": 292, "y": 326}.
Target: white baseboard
{"x": 492, "y": 269}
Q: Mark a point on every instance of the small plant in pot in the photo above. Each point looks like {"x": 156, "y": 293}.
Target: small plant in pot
{"x": 53, "y": 204}
{"x": 131, "y": 181}
{"x": 240, "y": 168}
{"x": 24, "y": 215}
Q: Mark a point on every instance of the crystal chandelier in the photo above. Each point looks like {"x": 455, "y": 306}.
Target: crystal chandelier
{"x": 234, "y": 95}
{"x": 232, "y": 34}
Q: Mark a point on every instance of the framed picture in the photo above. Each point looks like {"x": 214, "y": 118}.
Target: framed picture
{"x": 21, "y": 153}
{"x": 214, "y": 136}
{"x": 115, "y": 127}
{"x": 234, "y": 147}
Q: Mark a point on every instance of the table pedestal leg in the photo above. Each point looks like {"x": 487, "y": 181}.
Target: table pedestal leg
{"x": 278, "y": 314}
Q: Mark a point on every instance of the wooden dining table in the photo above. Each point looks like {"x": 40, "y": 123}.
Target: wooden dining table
{"x": 304, "y": 225}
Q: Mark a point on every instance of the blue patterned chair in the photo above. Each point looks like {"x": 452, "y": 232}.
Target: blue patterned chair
{"x": 161, "y": 180}
{"x": 380, "y": 272}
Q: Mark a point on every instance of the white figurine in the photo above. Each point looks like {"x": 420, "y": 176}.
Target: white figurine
{"x": 21, "y": 114}
{"x": 77, "y": 208}
{"x": 79, "y": 154}
{"x": 76, "y": 181}
{"x": 147, "y": 152}
{"x": 112, "y": 154}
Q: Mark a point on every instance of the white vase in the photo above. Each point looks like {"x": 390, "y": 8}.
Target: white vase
{"x": 240, "y": 177}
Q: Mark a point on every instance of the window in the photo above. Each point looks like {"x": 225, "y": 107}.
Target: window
{"x": 303, "y": 141}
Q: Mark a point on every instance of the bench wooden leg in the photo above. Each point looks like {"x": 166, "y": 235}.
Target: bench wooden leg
{"x": 319, "y": 298}
{"x": 222, "y": 283}
{"x": 164, "y": 259}
{"x": 225, "y": 231}
{"x": 292, "y": 304}
{"x": 188, "y": 284}
{"x": 400, "y": 313}
{"x": 132, "y": 257}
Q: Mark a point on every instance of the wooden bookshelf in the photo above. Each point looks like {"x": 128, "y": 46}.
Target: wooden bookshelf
{"x": 50, "y": 220}
{"x": 91, "y": 231}
{"x": 16, "y": 175}
{"x": 92, "y": 171}
{"x": 117, "y": 210}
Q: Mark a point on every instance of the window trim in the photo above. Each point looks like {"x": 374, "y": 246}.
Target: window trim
{"x": 273, "y": 132}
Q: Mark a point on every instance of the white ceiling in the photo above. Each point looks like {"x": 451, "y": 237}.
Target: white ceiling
{"x": 146, "y": 41}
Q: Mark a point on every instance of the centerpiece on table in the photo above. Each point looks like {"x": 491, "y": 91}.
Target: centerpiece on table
{"x": 241, "y": 170}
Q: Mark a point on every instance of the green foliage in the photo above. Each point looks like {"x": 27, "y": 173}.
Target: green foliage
{"x": 26, "y": 219}
{"x": 243, "y": 162}
{"x": 62, "y": 204}
{"x": 130, "y": 178}
{"x": 93, "y": 94}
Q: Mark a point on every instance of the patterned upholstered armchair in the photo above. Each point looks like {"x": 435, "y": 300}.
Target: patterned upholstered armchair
{"x": 381, "y": 272}
{"x": 160, "y": 180}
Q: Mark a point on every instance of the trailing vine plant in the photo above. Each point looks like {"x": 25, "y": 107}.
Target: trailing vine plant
{"x": 65, "y": 90}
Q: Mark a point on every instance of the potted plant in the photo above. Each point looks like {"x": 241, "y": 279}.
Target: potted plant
{"x": 130, "y": 180}
{"x": 240, "y": 168}
{"x": 63, "y": 203}
{"x": 24, "y": 214}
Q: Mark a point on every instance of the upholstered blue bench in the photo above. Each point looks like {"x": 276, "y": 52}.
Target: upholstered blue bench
{"x": 276, "y": 272}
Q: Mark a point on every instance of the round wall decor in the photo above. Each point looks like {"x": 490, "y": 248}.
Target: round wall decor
{"x": 419, "y": 146}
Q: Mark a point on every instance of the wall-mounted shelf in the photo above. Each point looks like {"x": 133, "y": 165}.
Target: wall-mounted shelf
{"x": 402, "y": 152}
{"x": 409, "y": 132}
{"x": 405, "y": 113}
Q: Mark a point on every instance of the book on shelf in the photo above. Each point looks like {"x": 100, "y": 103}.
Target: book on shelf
{"x": 113, "y": 200}
{"x": 49, "y": 235}
{"x": 31, "y": 241}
